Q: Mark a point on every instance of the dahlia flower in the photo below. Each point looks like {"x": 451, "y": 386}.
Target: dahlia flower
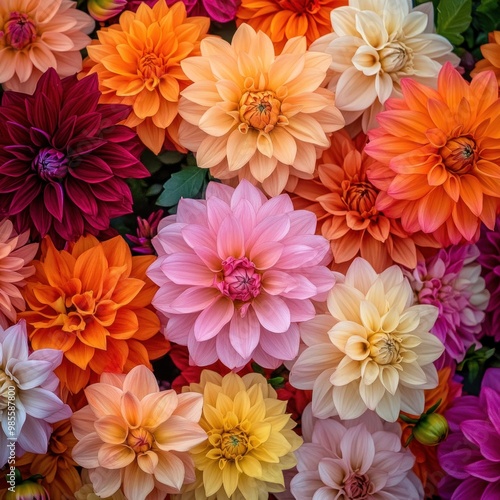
{"x": 135, "y": 437}
{"x": 236, "y": 273}
{"x": 15, "y": 255}
{"x": 57, "y": 467}
{"x": 250, "y": 439}
{"x": 63, "y": 159}
{"x": 491, "y": 54}
{"x": 355, "y": 459}
{"x": 102, "y": 10}
{"x": 285, "y": 19}
{"x": 256, "y": 115}
{"x": 441, "y": 154}
{"x": 28, "y": 401}
{"x": 36, "y": 35}
{"x": 374, "y": 352}
{"x": 221, "y": 11}
{"x": 146, "y": 230}
{"x": 451, "y": 281}
{"x": 86, "y": 492}
{"x": 92, "y": 302}
{"x": 471, "y": 454}
{"x": 489, "y": 258}
{"x": 376, "y": 43}
{"x": 344, "y": 202}
{"x": 138, "y": 63}
{"x": 427, "y": 466}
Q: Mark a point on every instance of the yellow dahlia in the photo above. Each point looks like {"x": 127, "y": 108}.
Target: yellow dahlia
{"x": 138, "y": 63}
{"x": 256, "y": 115}
{"x": 250, "y": 439}
{"x": 36, "y": 35}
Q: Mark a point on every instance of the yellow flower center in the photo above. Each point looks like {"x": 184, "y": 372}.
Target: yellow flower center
{"x": 360, "y": 197}
{"x": 20, "y": 30}
{"x": 151, "y": 68}
{"x": 459, "y": 154}
{"x": 234, "y": 444}
{"x": 140, "y": 440}
{"x": 259, "y": 110}
{"x": 7, "y": 390}
{"x": 385, "y": 349}
{"x": 395, "y": 56}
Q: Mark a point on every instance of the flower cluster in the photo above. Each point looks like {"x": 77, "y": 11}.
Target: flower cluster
{"x": 249, "y": 249}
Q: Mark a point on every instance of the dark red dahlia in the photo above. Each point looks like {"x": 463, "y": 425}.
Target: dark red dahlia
{"x": 64, "y": 159}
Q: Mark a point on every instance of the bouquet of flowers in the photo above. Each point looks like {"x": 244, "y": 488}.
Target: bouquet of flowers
{"x": 250, "y": 249}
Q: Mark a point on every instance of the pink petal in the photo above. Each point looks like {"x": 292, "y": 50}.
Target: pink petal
{"x": 34, "y": 435}
{"x": 230, "y": 239}
{"x": 226, "y": 351}
{"x": 244, "y": 333}
{"x": 193, "y": 299}
{"x": 202, "y": 353}
{"x": 272, "y": 312}
{"x": 187, "y": 269}
{"x": 85, "y": 451}
{"x": 213, "y": 318}
{"x": 140, "y": 381}
{"x": 283, "y": 346}
{"x": 245, "y": 191}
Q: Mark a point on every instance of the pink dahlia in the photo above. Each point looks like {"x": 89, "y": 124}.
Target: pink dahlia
{"x": 64, "y": 159}
{"x": 451, "y": 281}
{"x": 236, "y": 273}
{"x": 470, "y": 455}
{"x": 353, "y": 459}
{"x": 489, "y": 246}
{"x": 221, "y": 11}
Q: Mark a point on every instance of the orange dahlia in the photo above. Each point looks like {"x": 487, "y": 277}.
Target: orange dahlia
{"x": 427, "y": 466}
{"x": 138, "y": 63}
{"x": 344, "y": 201}
{"x": 285, "y": 19}
{"x": 491, "y": 54}
{"x": 441, "y": 155}
{"x": 93, "y": 303}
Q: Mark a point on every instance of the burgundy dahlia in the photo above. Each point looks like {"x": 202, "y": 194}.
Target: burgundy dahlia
{"x": 64, "y": 159}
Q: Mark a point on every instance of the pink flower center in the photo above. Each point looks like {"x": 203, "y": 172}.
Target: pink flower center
{"x": 19, "y": 30}
{"x": 241, "y": 280}
{"x": 356, "y": 487}
{"x": 459, "y": 154}
{"x": 50, "y": 164}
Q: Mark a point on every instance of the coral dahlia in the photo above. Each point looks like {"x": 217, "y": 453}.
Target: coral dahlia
{"x": 236, "y": 273}
{"x": 285, "y": 19}
{"x": 441, "y": 155}
{"x": 344, "y": 200}
{"x": 64, "y": 159}
{"x": 135, "y": 437}
{"x": 491, "y": 54}
{"x": 250, "y": 439}
{"x": 376, "y": 43}
{"x": 138, "y": 63}
{"x": 36, "y": 35}
{"x": 15, "y": 255}
{"x": 374, "y": 352}
{"x": 256, "y": 115}
{"x": 92, "y": 302}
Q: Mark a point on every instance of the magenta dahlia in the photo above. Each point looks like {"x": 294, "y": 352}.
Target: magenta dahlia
{"x": 64, "y": 159}
{"x": 236, "y": 273}
{"x": 470, "y": 455}
{"x": 489, "y": 245}
{"x": 451, "y": 280}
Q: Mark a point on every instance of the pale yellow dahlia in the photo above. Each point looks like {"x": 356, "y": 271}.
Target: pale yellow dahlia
{"x": 256, "y": 115}
{"x": 374, "y": 351}
{"x": 250, "y": 439}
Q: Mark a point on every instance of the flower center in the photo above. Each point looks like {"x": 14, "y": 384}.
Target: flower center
{"x": 459, "y": 154}
{"x": 360, "y": 197}
{"x": 151, "y": 68}
{"x": 385, "y": 348}
{"x": 300, "y": 6}
{"x": 259, "y": 110}
{"x": 7, "y": 390}
{"x": 241, "y": 280}
{"x": 140, "y": 440}
{"x": 19, "y": 31}
{"x": 356, "y": 487}
{"x": 395, "y": 56}
{"x": 234, "y": 444}
{"x": 50, "y": 164}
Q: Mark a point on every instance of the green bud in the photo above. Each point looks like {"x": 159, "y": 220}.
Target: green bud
{"x": 431, "y": 429}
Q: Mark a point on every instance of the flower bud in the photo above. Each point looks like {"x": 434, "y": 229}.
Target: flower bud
{"x": 431, "y": 429}
{"x": 27, "y": 490}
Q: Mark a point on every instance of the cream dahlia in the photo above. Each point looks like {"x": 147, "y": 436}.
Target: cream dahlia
{"x": 374, "y": 351}
{"x": 374, "y": 44}
{"x": 36, "y": 35}
{"x": 256, "y": 115}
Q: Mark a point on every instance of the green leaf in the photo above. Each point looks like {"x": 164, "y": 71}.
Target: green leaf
{"x": 154, "y": 190}
{"x": 454, "y": 17}
{"x": 184, "y": 184}
{"x": 171, "y": 157}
